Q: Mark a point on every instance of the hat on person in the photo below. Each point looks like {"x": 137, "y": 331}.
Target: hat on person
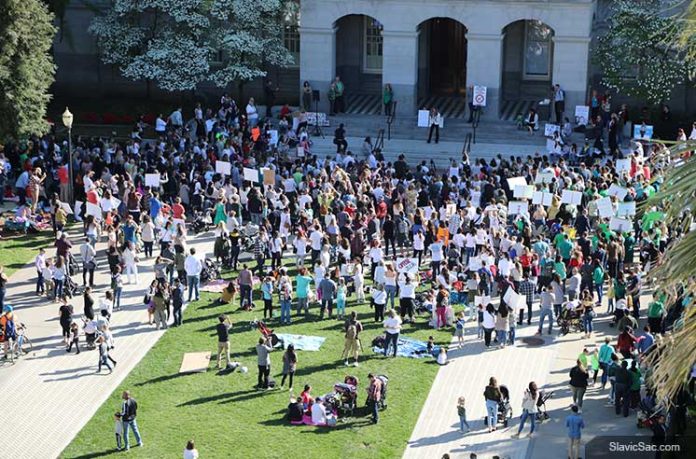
{"x": 7, "y": 308}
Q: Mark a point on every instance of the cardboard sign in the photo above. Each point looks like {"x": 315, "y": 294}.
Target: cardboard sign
{"x": 571, "y": 197}
{"x": 620, "y": 224}
{"x": 626, "y": 209}
{"x": 544, "y": 177}
{"x": 94, "y": 210}
{"x": 543, "y": 198}
{"x": 152, "y": 180}
{"x": 251, "y": 175}
{"x": 616, "y": 190}
{"x": 480, "y": 96}
{"x": 482, "y": 300}
{"x": 423, "y": 118}
{"x": 524, "y": 191}
{"x": 549, "y": 129}
{"x": 518, "y": 207}
{"x": 223, "y": 167}
{"x": 407, "y": 265}
{"x": 582, "y": 114}
{"x": 605, "y": 208}
{"x": 268, "y": 176}
{"x": 514, "y": 181}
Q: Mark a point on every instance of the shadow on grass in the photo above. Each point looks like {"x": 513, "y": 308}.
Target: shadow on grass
{"x": 227, "y": 397}
{"x": 160, "y": 379}
{"x": 99, "y": 454}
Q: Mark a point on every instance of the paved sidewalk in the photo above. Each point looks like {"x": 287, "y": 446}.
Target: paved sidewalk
{"x": 52, "y": 394}
{"x": 467, "y": 374}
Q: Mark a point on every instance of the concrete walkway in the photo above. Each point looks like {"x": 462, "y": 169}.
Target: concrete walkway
{"x": 467, "y": 374}
{"x": 52, "y": 394}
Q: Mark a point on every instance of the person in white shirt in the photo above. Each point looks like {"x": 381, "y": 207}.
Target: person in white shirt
{"x": 418, "y": 246}
{"x": 89, "y": 264}
{"x": 407, "y": 294}
{"x": 130, "y": 259}
{"x": 190, "y": 452}
{"x": 319, "y": 414}
{"x": 252, "y": 113}
{"x": 40, "y": 265}
{"x": 376, "y": 255}
{"x": 379, "y": 300}
{"x": 436, "y": 249}
{"x": 160, "y": 125}
{"x": 316, "y": 237}
{"x": 193, "y": 267}
{"x": 300, "y": 244}
{"x": 392, "y": 328}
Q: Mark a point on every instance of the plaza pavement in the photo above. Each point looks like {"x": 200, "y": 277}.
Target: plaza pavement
{"x": 467, "y": 374}
{"x": 51, "y": 394}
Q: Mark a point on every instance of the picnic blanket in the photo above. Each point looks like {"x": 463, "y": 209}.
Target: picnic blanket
{"x": 215, "y": 286}
{"x": 410, "y": 348}
{"x": 301, "y": 342}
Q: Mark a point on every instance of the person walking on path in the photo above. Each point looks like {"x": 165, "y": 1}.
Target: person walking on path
{"x": 223, "y": 333}
{"x": 352, "y": 344}
{"x": 40, "y": 264}
{"x": 65, "y": 313}
{"x": 193, "y": 267}
{"x": 103, "y": 355}
{"x": 246, "y": 281}
{"x": 574, "y": 424}
{"x": 605, "y": 353}
{"x": 493, "y": 398}
{"x": 89, "y": 262}
{"x": 461, "y": 412}
{"x": 529, "y": 408}
{"x": 578, "y": 383}
{"x": 129, "y": 412}
{"x": 622, "y": 386}
{"x": 289, "y": 365}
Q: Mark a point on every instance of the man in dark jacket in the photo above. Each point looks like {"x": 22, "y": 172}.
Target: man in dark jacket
{"x": 622, "y": 385}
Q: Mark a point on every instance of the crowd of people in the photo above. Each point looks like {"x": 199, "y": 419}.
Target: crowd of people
{"x": 492, "y": 238}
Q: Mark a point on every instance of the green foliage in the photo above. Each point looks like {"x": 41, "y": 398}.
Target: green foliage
{"x": 26, "y": 67}
{"x": 176, "y": 43}
{"x": 639, "y": 55}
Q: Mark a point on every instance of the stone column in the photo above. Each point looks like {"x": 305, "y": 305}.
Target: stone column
{"x": 570, "y": 64}
{"x": 400, "y": 69}
{"x": 318, "y": 60}
{"x": 484, "y": 67}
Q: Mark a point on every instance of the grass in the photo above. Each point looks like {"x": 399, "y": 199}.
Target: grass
{"x": 17, "y": 251}
{"x": 227, "y": 417}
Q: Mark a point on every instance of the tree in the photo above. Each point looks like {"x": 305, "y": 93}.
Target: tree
{"x": 26, "y": 67}
{"x": 176, "y": 42}
{"x": 638, "y": 55}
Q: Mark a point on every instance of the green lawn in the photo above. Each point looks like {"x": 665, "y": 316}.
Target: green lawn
{"x": 17, "y": 251}
{"x": 227, "y": 417}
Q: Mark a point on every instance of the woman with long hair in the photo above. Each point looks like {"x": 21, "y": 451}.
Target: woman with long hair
{"x": 289, "y": 365}
{"x": 493, "y": 398}
{"x": 529, "y": 408}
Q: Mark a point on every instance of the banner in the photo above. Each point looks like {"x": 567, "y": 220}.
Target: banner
{"x": 407, "y": 265}
{"x": 571, "y": 197}
{"x": 524, "y": 191}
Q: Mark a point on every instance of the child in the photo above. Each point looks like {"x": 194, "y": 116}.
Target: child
{"x": 430, "y": 345}
{"x": 267, "y": 289}
{"x": 459, "y": 329}
{"x": 118, "y": 430}
{"x": 103, "y": 354}
{"x": 48, "y": 279}
{"x": 341, "y": 299}
{"x": 75, "y": 333}
{"x": 177, "y": 297}
{"x": 472, "y": 284}
{"x": 610, "y": 298}
{"x": 461, "y": 411}
{"x": 442, "y": 356}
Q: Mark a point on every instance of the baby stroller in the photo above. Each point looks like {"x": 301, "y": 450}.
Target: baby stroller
{"x": 347, "y": 395}
{"x": 504, "y": 408}
{"x": 201, "y": 222}
{"x": 211, "y": 271}
{"x": 570, "y": 320}
{"x": 541, "y": 414}
{"x": 70, "y": 287}
{"x": 265, "y": 331}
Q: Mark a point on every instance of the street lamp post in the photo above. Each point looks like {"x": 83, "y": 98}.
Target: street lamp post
{"x": 68, "y": 121}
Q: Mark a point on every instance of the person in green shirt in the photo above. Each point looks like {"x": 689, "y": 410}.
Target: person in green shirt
{"x": 340, "y": 89}
{"x": 656, "y": 313}
{"x": 560, "y": 268}
{"x": 604, "y": 358}
{"x": 566, "y": 249}
{"x": 331, "y": 94}
{"x": 629, "y": 245}
{"x": 598, "y": 280}
{"x": 302, "y": 290}
{"x": 634, "y": 389}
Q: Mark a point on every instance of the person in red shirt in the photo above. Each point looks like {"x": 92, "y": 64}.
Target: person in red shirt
{"x": 64, "y": 180}
{"x": 92, "y": 196}
{"x": 178, "y": 210}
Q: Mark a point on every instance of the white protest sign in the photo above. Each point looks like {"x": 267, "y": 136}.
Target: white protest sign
{"x": 544, "y": 177}
{"x": 549, "y": 129}
{"x": 274, "y": 136}
{"x": 423, "y": 118}
{"x": 511, "y": 296}
{"x": 78, "y": 207}
{"x": 524, "y": 191}
{"x": 519, "y": 302}
{"x": 300, "y": 151}
{"x": 571, "y": 197}
{"x": 451, "y": 209}
{"x": 94, "y": 210}
{"x": 482, "y": 300}
{"x": 543, "y": 198}
{"x": 514, "y": 181}
{"x": 407, "y": 265}
{"x": 582, "y": 114}
{"x": 475, "y": 264}
{"x": 605, "y": 208}
{"x": 152, "y": 180}
{"x": 66, "y": 207}
{"x": 251, "y": 175}
{"x": 620, "y": 224}
{"x": 550, "y": 145}
{"x": 480, "y": 96}
{"x": 616, "y": 190}
{"x": 223, "y": 167}
{"x": 623, "y": 165}
{"x": 518, "y": 207}
{"x": 626, "y": 209}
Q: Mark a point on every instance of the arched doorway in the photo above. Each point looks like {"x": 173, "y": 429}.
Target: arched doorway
{"x": 359, "y": 62}
{"x": 527, "y": 66}
{"x": 442, "y": 51}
